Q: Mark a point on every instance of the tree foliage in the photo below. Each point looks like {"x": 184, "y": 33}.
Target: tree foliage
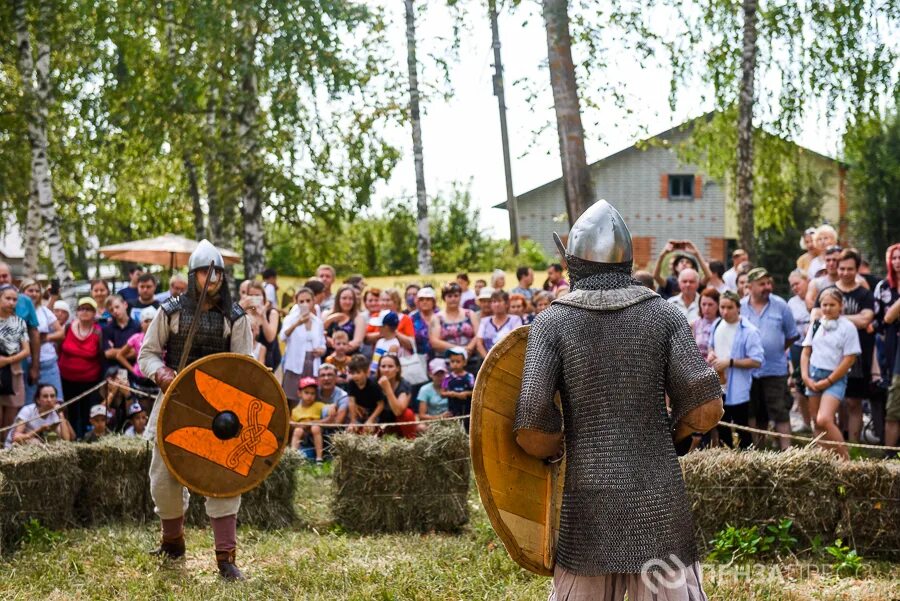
{"x": 873, "y": 150}
{"x": 384, "y": 243}
{"x": 145, "y": 91}
{"x": 839, "y": 57}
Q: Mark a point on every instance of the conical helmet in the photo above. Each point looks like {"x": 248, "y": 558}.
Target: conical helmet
{"x": 599, "y": 236}
{"x": 203, "y": 255}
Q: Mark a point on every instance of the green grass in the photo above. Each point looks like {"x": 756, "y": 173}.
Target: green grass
{"x": 318, "y": 561}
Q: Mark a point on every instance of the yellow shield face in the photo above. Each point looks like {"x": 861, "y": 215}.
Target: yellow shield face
{"x": 521, "y": 494}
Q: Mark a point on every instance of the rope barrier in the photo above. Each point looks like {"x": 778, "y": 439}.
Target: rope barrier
{"x": 382, "y": 426}
{"x": 57, "y": 408}
{"x": 74, "y": 400}
{"x": 136, "y": 391}
{"x": 816, "y": 440}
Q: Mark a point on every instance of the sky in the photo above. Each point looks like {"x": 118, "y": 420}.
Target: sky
{"x": 461, "y": 135}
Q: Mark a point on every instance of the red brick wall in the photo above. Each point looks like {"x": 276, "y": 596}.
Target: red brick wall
{"x": 715, "y": 249}
{"x": 642, "y": 247}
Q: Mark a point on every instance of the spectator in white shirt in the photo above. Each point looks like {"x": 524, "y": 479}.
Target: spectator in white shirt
{"x": 730, "y": 277}
{"x": 688, "y": 301}
{"x": 271, "y": 286}
{"x": 304, "y": 336}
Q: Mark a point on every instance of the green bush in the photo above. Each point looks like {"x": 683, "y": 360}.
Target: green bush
{"x": 743, "y": 544}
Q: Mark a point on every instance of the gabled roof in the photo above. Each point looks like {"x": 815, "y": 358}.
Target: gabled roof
{"x": 687, "y": 125}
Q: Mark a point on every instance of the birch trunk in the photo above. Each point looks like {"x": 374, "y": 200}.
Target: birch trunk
{"x": 26, "y": 70}
{"x": 575, "y": 174}
{"x": 37, "y": 95}
{"x": 32, "y": 230}
{"x": 423, "y": 239}
{"x": 251, "y": 198}
{"x": 744, "y": 183}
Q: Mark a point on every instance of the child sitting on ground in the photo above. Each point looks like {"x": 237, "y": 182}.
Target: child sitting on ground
{"x": 366, "y": 397}
{"x": 457, "y": 387}
{"x": 339, "y": 358}
{"x": 432, "y": 403}
{"x": 98, "y": 423}
{"x": 137, "y": 420}
{"x": 309, "y": 413}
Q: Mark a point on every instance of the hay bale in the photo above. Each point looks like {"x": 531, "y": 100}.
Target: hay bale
{"x": 824, "y": 496}
{"x": 393, "y": 485}
{"x": 269, "y": 505}
{"x": 869, "y": 492}
{"x": 40, "y": 482}
{"x": 116, "y": 485}
{"x": 760, "y": 488}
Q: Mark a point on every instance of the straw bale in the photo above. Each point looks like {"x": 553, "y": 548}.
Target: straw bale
{"x": 116, "y": 483}
{"x": 391, "y": 485}
{"x": 269, "y": 505}
{"x": 40, "y": 482}
{"x": 869, "y": 493}
{"x": 824, "y": 496}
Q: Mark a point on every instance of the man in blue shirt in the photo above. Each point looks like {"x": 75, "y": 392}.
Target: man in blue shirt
{"x": 769, "y": 396}
{"x": 25, "y": 310}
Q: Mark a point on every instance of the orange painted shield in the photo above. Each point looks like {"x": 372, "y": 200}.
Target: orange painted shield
{"x": 223, "y": 425}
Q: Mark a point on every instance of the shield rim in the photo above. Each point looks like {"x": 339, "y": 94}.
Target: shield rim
{"x": 481, "y": 480}
{"x": 165, "y": 400}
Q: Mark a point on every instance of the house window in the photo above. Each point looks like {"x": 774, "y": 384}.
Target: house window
{"x": 681, "y": 187}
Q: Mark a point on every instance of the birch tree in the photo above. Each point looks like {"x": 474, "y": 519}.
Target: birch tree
{"x": 254, "y": 237}
{"x": 35, "y": 75}
{"x": 769, "y": 65}
{"x": 423, "y": 234}
{"x": 745, "y": 130}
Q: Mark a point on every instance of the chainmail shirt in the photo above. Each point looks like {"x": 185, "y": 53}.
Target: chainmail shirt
{"x": 614, "y": 349}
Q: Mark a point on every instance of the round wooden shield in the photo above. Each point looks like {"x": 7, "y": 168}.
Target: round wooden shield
{"x": 251, "y": 418}
{"x": 521, "y": 494}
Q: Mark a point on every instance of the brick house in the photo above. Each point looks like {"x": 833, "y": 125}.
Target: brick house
{"x": 661, "y": 198}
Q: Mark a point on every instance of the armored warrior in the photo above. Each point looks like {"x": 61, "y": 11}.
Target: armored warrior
{"x": 614, "y": 349}
{"x": 222, "y": 327}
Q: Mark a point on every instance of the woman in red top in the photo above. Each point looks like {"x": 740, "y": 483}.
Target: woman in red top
{"x": 81, "y": 363}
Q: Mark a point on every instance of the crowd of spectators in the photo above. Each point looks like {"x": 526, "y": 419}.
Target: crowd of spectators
{"x": 389, "y": 361}
{"x": 829, "y": 352}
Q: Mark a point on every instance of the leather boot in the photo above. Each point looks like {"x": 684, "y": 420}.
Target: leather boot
{"x": 170, "y": 549}
{"x": 227, "y": 569}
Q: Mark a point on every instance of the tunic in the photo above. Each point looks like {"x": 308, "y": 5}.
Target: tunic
{"x": 614, "y": 353}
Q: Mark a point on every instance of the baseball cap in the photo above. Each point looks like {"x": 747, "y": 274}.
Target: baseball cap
{"x": 133, "y": 409}
{"x": 757, "y": 273}
{"x": 87, "y": 300}
{"x": 62, "y": 305}
{"x": 732, "y": 296}
{"x": 147, "y": 314}
{"x": 307, "y": 383}
{"x": 390, "y": 319}
{"x": 98, "y": 410}
{"x": 458, "y": 350}
{"x": 437, "y": 364}
{"x": 427, "y": 292}
{"x": 485, "y": 293}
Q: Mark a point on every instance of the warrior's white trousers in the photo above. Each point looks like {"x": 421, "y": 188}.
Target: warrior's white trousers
{"x": 169, "y": 496}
